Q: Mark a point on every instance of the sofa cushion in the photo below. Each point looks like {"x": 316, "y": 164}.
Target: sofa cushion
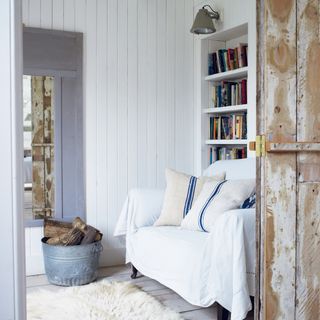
{"x": 234, "y": 169}
{"x": 250, "y": 202}
{"x": 214, "y": 199}
{"x": 181, "y": 192}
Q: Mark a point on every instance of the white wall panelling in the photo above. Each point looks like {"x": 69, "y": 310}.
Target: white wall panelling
{"x": 138, "y": 94}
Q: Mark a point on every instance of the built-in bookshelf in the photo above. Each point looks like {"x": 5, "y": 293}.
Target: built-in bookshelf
{"x": 227, "y": 116}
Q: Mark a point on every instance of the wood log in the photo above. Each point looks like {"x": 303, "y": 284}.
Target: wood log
{"x": 74, "y": 238}
{"x": 99, "y": 236}
{"x": 67, "y": 234}
{"x": 91, "y": 233}
{"x": 71, "y": 238}
{"x": 54, "y": 228}
{"x": 79, "y": 223}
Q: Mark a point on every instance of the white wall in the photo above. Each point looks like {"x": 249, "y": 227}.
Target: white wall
{"x": 138, "y": 93}
{"x": 233, "y": 12}
{"x": 12, "y": 290}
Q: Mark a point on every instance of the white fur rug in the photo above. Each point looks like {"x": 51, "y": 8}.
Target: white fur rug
{"x": 101, "y": 300}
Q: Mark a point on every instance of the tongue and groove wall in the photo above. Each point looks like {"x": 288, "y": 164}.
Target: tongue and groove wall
{"x": 138, "y": 100}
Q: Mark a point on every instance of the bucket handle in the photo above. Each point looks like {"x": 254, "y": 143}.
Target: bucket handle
{"x": 97, "y": 248}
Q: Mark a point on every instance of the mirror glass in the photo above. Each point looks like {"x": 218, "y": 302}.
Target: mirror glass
{"x": 38, "y": 134}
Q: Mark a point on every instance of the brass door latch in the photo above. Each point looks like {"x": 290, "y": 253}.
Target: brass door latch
{"x": 261, "y": 146}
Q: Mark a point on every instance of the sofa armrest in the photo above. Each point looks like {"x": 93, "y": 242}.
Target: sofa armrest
{"x": 232, "y": 244}
{"x": 248, "y": 216}
{"x": 141, "y": 209}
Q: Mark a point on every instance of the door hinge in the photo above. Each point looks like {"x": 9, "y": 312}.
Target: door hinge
{"x": 259, "y": 146}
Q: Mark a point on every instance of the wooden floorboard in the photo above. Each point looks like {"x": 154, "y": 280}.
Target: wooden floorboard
{"x": 122, "y": 273}
{"x": 203, "y": 314}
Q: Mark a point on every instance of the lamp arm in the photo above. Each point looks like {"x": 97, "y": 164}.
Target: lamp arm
{"x": 213, "y": 14}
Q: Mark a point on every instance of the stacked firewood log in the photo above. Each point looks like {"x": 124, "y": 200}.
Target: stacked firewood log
{"x": 70, "y": 234}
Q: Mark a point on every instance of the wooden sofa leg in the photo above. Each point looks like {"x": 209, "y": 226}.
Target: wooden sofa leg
{"x": 134, "y": 272}
{"x": 223, "y": 314}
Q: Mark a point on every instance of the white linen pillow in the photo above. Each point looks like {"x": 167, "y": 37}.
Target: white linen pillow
{"x": 181, "y": 192}
{"x": 214, "y": 199}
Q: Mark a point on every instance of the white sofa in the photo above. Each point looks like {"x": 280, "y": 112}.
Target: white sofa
{"x": 201, "y": 267}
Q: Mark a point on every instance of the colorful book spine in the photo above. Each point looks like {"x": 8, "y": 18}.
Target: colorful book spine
{"x": 229, "y": 93}
{"x": 211, "y": 128}
{"x": 225, "y": 60}
{"x": 228, "y": 59}
{"x": 228, "y": 127}
{"x": 226, "y": 153}
{"x": 244, "y": 91}
{"x": 231, "y": 64}
{"x": 210, "y": 64}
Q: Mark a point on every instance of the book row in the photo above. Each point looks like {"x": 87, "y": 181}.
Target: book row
{"x": 228, "y": 59}
{"x": 229, "y": 93}
{"x": 226, "y": 153}
{"x": 228, "y": 127}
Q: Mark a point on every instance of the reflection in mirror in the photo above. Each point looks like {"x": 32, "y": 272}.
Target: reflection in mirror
{"x": 53, "y": 105}
{"x": 38, "y": 113}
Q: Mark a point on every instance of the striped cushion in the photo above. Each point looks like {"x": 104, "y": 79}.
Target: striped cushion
{"x": 250, "y": 202}
{"x": 181, "y": 192}
{"x": 214, "y": 199}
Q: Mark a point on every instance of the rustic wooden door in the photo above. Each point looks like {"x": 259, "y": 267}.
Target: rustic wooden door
{"x": 288, "y": 221}
{"x": 43, "y": 182}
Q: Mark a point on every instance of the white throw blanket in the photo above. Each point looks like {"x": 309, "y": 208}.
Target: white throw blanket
{"x": 221, "y": 274}
{"x": 140, "y": 209}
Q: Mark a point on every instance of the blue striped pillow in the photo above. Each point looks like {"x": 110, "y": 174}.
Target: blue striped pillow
{"x": 250, "y": 202}
{"x": 181, "y": 192}
{"x": 214, "y": 199}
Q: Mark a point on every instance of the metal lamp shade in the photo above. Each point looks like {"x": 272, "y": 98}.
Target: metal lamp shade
{"x": 203, "y": 23}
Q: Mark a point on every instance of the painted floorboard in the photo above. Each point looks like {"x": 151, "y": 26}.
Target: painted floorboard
{"x": 122, "y": 273}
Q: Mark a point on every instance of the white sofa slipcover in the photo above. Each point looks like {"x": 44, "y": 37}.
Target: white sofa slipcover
{"x": 201, "y": 267}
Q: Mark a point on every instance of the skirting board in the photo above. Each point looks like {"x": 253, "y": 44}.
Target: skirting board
{"x": 34, "y": 265}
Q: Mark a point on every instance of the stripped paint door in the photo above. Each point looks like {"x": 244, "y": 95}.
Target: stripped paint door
{"x": 288, "y": 111}
{"x": 308, "y": 129}
{"x": 42, "y": 146}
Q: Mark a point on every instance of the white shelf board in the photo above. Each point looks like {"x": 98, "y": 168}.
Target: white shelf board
{"x": 227, "y": 34}
{"x": 237, "y": 108}
{"x": 227, "y": 142}
{"x": 229, "y": 75}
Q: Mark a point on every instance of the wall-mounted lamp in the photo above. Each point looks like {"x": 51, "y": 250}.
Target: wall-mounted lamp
{"x": 203, "y": 23}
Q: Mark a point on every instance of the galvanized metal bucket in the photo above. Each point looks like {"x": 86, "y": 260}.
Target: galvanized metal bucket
{"x": 71, "y": 265}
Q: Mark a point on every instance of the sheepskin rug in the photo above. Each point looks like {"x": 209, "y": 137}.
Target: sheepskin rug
{"x": 101, "y": 300}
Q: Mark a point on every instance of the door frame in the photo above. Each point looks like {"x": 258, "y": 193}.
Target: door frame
{"x": 13, "y": 302}
{"x": 43, "y": 43}
{"x": 260, "y": 129}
